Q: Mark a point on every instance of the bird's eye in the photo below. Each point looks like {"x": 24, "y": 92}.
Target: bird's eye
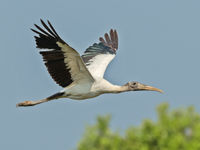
{"x": 134, "y": 83}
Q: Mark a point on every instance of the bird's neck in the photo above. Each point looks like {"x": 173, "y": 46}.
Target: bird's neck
{"x": 107, "y": 87}
{"x": 115, "y": 89}
{"x": 119, "y": 89}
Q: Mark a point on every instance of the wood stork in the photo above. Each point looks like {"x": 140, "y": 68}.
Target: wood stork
{"x": 80, "y": 76}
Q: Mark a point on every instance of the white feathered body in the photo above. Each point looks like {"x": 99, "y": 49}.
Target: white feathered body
{"x": 85, "y": 89}
{"x": 80, "y": 76}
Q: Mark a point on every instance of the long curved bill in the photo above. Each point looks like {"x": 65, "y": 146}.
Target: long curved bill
{"x": 149, "y": 88}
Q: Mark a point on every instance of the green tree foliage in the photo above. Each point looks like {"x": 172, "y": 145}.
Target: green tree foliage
{"x": 174, "y": 130}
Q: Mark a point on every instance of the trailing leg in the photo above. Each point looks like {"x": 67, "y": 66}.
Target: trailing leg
{"x": 32, "y": 103}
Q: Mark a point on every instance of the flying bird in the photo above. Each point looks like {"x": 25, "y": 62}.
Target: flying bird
{"x": 82, "y": 77}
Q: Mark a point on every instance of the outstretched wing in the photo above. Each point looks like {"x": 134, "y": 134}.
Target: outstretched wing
{"x": 98, "y": 56}
{"x": 63, "y": 62}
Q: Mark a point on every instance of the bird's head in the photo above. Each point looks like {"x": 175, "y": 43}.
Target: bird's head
{"x": 136, "y": 86}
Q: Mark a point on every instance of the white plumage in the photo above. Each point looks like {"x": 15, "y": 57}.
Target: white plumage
{"x": 80, "y": 76}
{"x": 99, "y": 64}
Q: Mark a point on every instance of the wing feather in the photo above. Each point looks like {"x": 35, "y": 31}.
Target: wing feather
{"x": 98, "y": 56}
{"x": 63, "y": 62}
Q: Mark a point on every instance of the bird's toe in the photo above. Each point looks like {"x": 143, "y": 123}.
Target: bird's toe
{"x": 25, "y": 103}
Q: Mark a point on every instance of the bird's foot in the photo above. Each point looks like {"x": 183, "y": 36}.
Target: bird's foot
{"x": 25, "y": 104}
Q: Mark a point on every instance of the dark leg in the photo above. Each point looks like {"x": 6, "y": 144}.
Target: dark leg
{"x": 32, "y": 103}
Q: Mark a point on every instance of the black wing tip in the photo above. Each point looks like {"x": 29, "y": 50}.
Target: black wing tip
{"x": 46, "y": 36}
{"x": 35, "y": 31}
{"x": 111, "y": 39}
{"x": 42, "y": 21}
{"x": 47, "y": 30}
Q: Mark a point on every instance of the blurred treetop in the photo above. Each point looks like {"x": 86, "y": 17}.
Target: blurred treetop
{"x": 174, "y": 130}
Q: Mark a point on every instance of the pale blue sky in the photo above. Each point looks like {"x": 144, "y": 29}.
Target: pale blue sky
{"x": 159, "y": 45}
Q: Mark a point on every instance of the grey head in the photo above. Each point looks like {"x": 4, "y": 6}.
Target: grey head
{"x": 136, "y": 86}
